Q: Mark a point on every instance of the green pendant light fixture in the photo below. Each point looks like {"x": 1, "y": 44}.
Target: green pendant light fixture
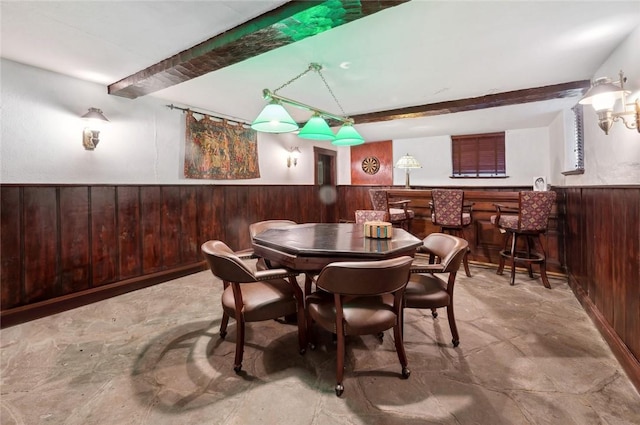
{"x": 348, "y": 136}
{"x": 316, "y": 129}
{"x": 275, "y": 119}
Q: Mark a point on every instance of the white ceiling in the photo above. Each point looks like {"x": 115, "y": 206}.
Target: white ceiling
{"x": 417, "y": 53}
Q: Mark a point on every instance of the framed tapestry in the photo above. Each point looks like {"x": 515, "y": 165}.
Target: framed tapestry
{"x": 219, "y": 150}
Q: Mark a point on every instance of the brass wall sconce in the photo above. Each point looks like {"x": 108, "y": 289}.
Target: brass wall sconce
{"x": 91, "y": 133}
{"x": 603, "y": 96}
{"x": 292, "y": 159}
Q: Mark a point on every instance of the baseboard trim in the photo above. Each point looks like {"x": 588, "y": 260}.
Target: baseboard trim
{"x": 627, "y": 360}
{"x": 14, "y": 316}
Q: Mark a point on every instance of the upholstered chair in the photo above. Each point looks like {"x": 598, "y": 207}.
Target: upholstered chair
{"x": 398, "y": 212}
{"x": 360, "y": 298}
{"x": 362, "y": 216}
{"x": 529, "y": 221}
{"x": 431, "y": 285}
{"x": 261, "y": 226}
{"x": 253, "y": 296}
{"x": 449, "y": 211}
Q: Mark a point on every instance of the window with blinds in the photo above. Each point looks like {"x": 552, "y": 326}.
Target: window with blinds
{"x": 478, "y": 155}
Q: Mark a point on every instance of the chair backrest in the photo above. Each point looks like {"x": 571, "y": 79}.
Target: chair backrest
{"x": 365, "y": 277}
{"x": 447, "y": 206}
{"x": 379, "y": 199}
{"x": 362, "y": 216}
{"x": 535, "y": 208}
{"x": 225, "y": 264}
{"x": 261, "y": 226}
{"x": 450, "y": 249}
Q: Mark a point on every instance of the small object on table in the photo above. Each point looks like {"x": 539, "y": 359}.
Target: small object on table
{"x": 378, "y": 230}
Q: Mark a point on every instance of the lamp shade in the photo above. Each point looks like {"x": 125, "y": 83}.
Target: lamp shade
{"x": 408, "y": 162}
{"x": 316, "y": 129}
{"x": 602, "y": 95}
{"x": 274, "y": 119}
{"x": 348, "y": 136}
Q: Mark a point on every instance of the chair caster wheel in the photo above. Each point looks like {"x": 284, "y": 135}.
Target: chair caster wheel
{"x": 312, "y": 346}
{"x": 405, "y": 373}
{"x": 456, "y": 342}
{"x": 237, "y": 369}
{"x": 339, "y": 390}
{"x": 302, "y": 351}
{"x": 223, "y": 334}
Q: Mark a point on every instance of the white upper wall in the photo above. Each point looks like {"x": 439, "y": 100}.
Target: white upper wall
{"x": 615, "y": 158}
{"x": 143, "y": 144}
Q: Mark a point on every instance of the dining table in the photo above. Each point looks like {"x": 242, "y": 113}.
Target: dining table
{"x": 308, "y": 247}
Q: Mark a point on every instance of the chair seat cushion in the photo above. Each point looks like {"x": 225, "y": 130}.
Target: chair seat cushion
{"x": 363, "y": 315}
{"x": 506, "y": 221}
{"x": 262, "y": 300}
{"x": 426, "y": 291}
{"x": 397, "y": 214}
{"x": 466, "y": 220}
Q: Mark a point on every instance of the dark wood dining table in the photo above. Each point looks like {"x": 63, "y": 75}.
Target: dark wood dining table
{"x": 309, "y": 247}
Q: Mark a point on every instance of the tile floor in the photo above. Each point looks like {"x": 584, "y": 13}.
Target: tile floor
{"x": 528, "y": 355}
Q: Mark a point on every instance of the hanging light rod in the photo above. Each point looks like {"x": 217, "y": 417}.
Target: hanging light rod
{"x": 274, "y": 118}
{"x": 269, "y": 95}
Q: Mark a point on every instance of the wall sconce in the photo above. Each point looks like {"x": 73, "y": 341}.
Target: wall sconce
{"x": 603, "y": 95}
{"x": 294, "y": 154}
{"x": 407, "y": 163}
{"x": 275, "y": 119}
{"x": 91, "y": 134}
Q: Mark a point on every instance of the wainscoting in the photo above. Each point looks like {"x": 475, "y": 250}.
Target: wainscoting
{"x": 68, "y": 245}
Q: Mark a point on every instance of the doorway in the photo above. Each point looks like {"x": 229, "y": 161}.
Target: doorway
{"x": 325, "y": 181}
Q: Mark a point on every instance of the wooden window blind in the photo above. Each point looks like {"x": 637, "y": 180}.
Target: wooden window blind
{"x": 478, "y": 155}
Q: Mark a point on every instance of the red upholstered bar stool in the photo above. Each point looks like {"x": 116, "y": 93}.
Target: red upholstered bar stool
{"x": 401, "y": 216}
{"x": 449, "y": 211}
{"x": 529, "y": 220}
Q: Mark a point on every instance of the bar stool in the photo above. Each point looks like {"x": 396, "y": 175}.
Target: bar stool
{"x": 449, "y": 211}
{"x": 530, "y": 220}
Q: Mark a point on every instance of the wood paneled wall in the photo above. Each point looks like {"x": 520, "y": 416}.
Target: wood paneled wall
{"x": 484, "y": 239}
{"x": 61, "y": 246}
{"x": 602, "y": 245}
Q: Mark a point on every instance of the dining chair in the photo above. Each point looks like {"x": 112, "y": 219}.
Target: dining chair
{"x": 529, "y": 220}
{"x": 398, "y": 212}
{"x": 261, "y": 226}
{"x": 253, "y": 296}
{"x": 360, "y": 298}
{"x": 452, "y": 215}
{"x": 362, "y": 216}
{"x": 431, "y": 285}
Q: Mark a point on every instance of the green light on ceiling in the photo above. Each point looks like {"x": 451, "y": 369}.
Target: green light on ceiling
{"x": 315, "y": 20}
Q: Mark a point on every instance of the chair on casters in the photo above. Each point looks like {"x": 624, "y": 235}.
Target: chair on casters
{"x": 428, "y": 287}
{"x": 449, "y": 211}
{"x": 398, "y": 213}
{"x": 360, "y": 298}
{"x": 530, "y": 220}
{"x": 250, "y": 296}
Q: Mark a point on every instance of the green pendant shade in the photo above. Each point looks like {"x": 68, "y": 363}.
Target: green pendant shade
{"x": 316, "y": 129}
{"x": 274, "y": 119}
{"x": 348, "y": 136}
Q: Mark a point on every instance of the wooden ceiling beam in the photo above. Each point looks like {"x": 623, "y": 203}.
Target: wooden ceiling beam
{"x": 279, "y": 27}
{"x": 538, "y": 94}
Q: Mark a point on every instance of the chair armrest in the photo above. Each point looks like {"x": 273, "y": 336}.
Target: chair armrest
{"x": 274, "y": 274}
{"x": 246, "y": 254}
{"x": 402, "y": 204}
{"x": 468, "y": 207}
{"x": 501, "y": 208}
